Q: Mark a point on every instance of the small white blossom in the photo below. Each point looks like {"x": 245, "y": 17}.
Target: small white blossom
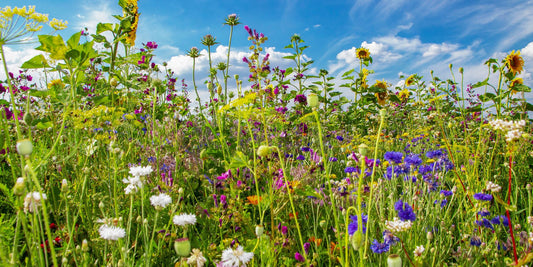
{"x": 493, "y": 187}
{"x": 138, "y": 171}
{"x": 196, "y": 258}
{"x": 160, "y": 201}
{"x": 235, "y": 257}
{"x": 134, "y": 183}
{"x": 419, "y": 250}
{"x": 111, "y": 232}
{"x": 184, "y": 219}
{"x": 32, "y": 201}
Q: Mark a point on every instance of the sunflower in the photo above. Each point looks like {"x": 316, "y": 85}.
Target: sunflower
{"x": 514, "y": 62}
{"x": 410, "y": 80}
{"x": 362, "y": 53}
{"x": 132, "y": 10}
{"x": 516, "y": 81}
{"x": 381, "y": 96}
{"x": 404, "y": 94}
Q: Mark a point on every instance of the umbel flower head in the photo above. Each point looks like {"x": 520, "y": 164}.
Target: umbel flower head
{"x": 17, "y": 24}
{"x": 514, "y": 62}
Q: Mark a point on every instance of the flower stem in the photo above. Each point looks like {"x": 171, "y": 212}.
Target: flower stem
{"x": 507, "y": 210}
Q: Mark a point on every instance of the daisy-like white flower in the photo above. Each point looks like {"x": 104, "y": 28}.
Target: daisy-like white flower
{"x": 140, "y": 170}
{"x": 419, "y": 250}
{"x": 184, "y": 219}
{"x": 397, "y": 225}
{"x": 160, "y": 201}
{"x": 196, "y": 258}
{"x": 235, "y": 257}
{"x": 134, "y": 183}
{"x": 493, "y": 187}
{"x": 32, "y": 201}
{"x": 111, "y": 232}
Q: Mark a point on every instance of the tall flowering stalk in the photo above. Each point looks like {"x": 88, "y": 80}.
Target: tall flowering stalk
{"x": 232, "y": 21}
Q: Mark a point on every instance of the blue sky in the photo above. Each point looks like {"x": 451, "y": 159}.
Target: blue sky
{"x": 404, "y": 36}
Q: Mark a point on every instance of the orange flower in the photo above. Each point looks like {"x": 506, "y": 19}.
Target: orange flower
{"x": 316, "y": 241}
{"x": 254, "y": 200}
{"x": 291, "y": 215}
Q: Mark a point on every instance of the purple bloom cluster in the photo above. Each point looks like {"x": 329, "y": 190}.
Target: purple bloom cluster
{"x": 483, "y": 197}
{"x": 354, "y": 225}
{"x": 405, "y": 212}
{"x": 392, "y": 156}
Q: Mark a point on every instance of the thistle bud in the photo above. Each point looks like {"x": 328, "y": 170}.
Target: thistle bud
{"x": 24, "y": 147}
{"x": 312, "y": 100}
{"x": 182, "y": 246}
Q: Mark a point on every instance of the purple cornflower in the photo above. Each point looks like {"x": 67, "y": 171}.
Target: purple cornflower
{"x": 299, "y": 257}
{"x": 351, "y": 169}
{"x": 484, "y": 213}
{"x": 379, "y": 247}
{"x": 483, "y": 197}
{"x": 389, "y": 238}
{"x": 413, "y": 160}
{"x": 500, "y": 219}
{"x": 446, "y": 193}
{"x": 475, "y": 241}
{"x": 340, "y": 138}
{"x": 302, "y": 99}
{"x": 354, "y": 225}
{"x": 405, "y": 212}
{"x": 434, "y": 154}
{"x": 307, "y": 246}
{"x": 486, "y": 223}
{"x": 151, "y": 45}
{"x": 300, "y": 157}
{"x": 395, "y": 157}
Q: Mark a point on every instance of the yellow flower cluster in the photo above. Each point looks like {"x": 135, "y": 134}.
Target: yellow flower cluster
{"x": 97, "y": 117}
{"x": 239, "y": 102}
{"x": 12, "y": 29}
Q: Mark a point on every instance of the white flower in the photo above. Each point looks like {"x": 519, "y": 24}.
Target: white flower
{"x": 111, "y": 232}
{"x": 160, "y": 201}
{"x": 493, "y": 187}
{"x": 184, "y": 219}
{"x": 138, "y": 171}
{"x": 397, "y": 225}
{"x": 134, "y": 183}
{"x": 419, "y": 250}
{"x": 91, "y": 147}
{"x": 235, "y": 257}
{"x": 196, "y": 258}
{"x": 32, "y": 201}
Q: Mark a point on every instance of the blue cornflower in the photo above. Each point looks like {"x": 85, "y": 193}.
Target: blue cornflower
{"x": 413, "y": 160}
{"x": 300, "y": 157}
{"x": 351, "y": 169}
{"x": 484, "y": 213}
{"x": 483, "y": 197}
{"x": 305, "y": 149}
{"x": 333, "y": 159}
{"x": 484, "y": 222}
{"x": 379, "y": 247}
{"x": 354, "y": 225}
{"x": 443, "y": 203}
{"x": 392, "y": 156}
{"x": 389, "y": 238}
{"x": 500, "y": 219}
{"x": 405, "y": 212}
{"x": 434, "y": 154}
{"x": 340, "y": 138}
{"x": 475, "y": 241}
{"x": 446, "y": 193}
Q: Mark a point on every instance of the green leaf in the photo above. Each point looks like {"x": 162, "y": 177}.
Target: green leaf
{"x": 290, "y": 57}
{"x": 505, "y": 205}
{"x": 479, "y": 84}
{"x": 487, "y": 97}
{"x": 72, "y": 54}
{"x": 238, "y": 161}
{"x": 36, "y": 62}
{"x": 74, "y": 40}
{"x": 44, "y": 125}
{"x": 103, "y": 27}
{"x": 51, "y": 44}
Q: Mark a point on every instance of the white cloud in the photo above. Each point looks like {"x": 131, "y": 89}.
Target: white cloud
{"x": 92, "y": 16}
{"x": 433, "y": 50}
{"x": 380, "y": 52}
{"x": 527, "y": 52}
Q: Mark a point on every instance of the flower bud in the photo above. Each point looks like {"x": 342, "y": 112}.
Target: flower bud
{"x": 101, "y": 205}
{"x": 24, "y": 147}
{"x": 84, "y": 245}
{"x": 312, "y": 100}
{"x": 394, "y": 260}
{"x": 356, "y": 240}
{"x": 28, "y": 118}
{"x": 263, "y": 151}
{"x": 64, "y": 185}
{"x": 461, "y": 70}
{"x": 18, "y": 189}
{"x": 113, "y": 82}
{"x": 363, "y": 149}
{"x": 429, "y": 235}
{"x": 322, "y": 223}
{"x": 182, "y": 246}
{"x": 259, "y": 230}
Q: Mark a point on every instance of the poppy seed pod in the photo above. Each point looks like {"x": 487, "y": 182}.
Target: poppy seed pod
{"x": 182, "y": 246}
{"x": 24, "y": 147}
{"x": 312, "y": 100}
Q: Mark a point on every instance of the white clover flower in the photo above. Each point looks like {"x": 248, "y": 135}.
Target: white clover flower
{"x": 111, "y": 232}
{"x": 397, "y": 225}
{"x": 419, "y": 250}
{"x": 196, "y": 258}
{"x": 184, "y": 219}
{"x": 493, "y": 187}
{"x": 32, "y": 201}
{"x": 235, "y": 257}
{"x": 160, "y": 201}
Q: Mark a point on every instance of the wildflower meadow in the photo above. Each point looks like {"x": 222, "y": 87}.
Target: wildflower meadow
{"x": 108, "y": 159}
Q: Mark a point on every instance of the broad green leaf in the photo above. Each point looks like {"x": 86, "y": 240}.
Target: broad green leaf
{"x": 238, "y": 161}
{"x": 37, "y": 62}
{"x": 103, "y": 27}
{"x": 74, "y": 40}
{"x": 44, "y": 125}
{"x": 487, "y": 97}
{"x": 51, "y": 44}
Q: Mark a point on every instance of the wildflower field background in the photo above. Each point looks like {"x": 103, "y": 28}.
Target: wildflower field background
{"x": 108, "y": 159}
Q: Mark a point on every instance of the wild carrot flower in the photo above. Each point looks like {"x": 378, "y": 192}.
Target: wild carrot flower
{"x": 111, "y": 232}
{"x": 184, "y": 219}
{"x": 236, "y": 257}
{"x": 397, "y": 225}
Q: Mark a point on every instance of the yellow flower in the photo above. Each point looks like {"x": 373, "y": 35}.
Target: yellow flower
{"x": 516, "y": 81}
{"x": 132, "y": 10}
{"x": 58, "y": 24}
{"x": 404, "y": 94}
{"x": 410, "y": 80}
{"x": 362, "y": 53}
{"x": 14, "y": 30}
{"x": 54, "y": 83}
{"x": 514, "y": 62}
{"x": 381, "y": 96}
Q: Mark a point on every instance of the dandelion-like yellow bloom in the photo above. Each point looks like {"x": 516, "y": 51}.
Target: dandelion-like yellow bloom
{"x": 516, "y": 81}
{"x": 362, "y": 53}
{"x": 410, "y": 80}
{"x": 514, "y": 62}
